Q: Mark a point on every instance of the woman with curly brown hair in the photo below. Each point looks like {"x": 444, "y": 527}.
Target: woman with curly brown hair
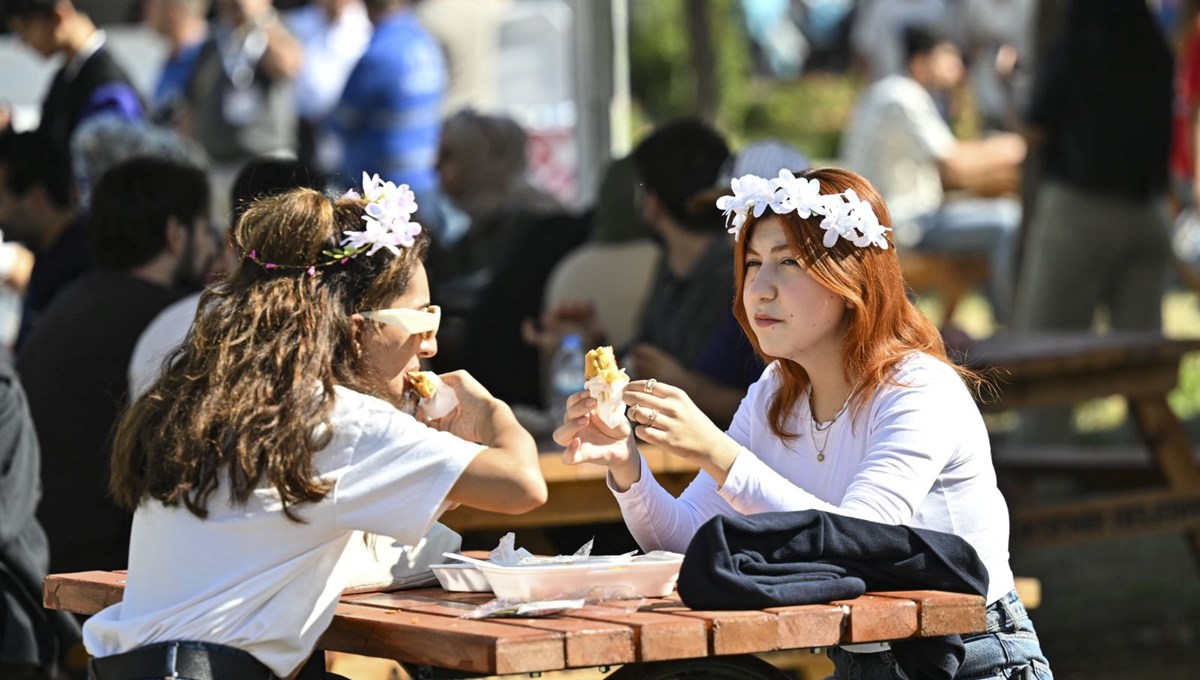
{"x": 276, "y": 430}
{"x": 859, "y": 413}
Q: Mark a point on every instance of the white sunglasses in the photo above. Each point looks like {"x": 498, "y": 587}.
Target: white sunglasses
{"x": 422, "y": 322}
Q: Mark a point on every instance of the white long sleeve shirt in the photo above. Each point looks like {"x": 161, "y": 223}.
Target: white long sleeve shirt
{"x": 918, "y": 455}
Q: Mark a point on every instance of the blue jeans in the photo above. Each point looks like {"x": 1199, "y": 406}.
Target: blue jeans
{"x": 978, "y": 226}
{"x": 1008, "y": 649}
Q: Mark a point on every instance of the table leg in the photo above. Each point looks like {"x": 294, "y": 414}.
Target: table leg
{"x": 1172, "y": 452}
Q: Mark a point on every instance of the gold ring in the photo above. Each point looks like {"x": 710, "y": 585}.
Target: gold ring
{"x": 650, "y": 386}
{"x": 653, "y": 415}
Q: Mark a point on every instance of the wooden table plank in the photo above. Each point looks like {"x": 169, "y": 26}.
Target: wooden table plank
{"x": 809, "y": 625}
{"x": 872, "y": 618}
{"x": 732, "y": 632}
{"x": 586, "y": 642}
{"x": 942, "y": 613}
{"x": 657, "y": 637}
{"x": 85, "y": 592}
{"x": 474, "y": 646}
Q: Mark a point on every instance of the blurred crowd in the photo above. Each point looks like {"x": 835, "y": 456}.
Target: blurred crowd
{"x": 116, "y": 210}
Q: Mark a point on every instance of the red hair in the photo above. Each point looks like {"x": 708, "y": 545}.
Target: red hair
{"x": 883, "y": 325}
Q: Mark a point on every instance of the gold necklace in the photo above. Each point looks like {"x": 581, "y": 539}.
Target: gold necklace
{"x": 814, "y": 427}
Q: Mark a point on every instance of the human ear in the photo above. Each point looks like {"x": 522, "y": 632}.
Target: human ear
{"x": 177, "y": 236}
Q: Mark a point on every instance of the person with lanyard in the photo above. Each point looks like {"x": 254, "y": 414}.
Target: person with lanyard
{"x": 858, "y": 413}
{"x": 277, "y": 429}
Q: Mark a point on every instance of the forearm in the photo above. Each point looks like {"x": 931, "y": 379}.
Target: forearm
{"x": 978, "y": 163}
{"x": 506, "y": 476}
{"x": 659, "y": 521}
{"x": 284, "y": 55}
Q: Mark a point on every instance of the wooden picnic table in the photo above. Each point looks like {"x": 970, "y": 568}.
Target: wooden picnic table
{"x": 422, "y": 628}
{"x": 1047, "y": 369}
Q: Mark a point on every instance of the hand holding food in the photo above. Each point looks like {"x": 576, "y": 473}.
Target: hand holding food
{"x": 434, "y": 398}
{"x": 605, "y": 383}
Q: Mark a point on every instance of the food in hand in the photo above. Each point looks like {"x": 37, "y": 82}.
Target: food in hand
{"x": 605, "y": 382}
{"x": 436, "y": 399}
{"x": 422, "y": 383}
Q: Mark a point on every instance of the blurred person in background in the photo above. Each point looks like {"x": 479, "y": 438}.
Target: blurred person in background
{"x": 36, "y": 210}
{"x": 468, "y": 32}
{"x": 88, "y": 83}
{"x": 183, "y": 25}
{"x": 150, "y": 244}
{"x": 240, "y": 99}
{"x": 994, "y": 36}
{"x": 898, "y": 140}
{"x": 1099, "y": 238}
{"x": 877, "y": 32}
{"x": 33, "y": 640}
{"x": 389, "y": 114}
{"x": 334, "y": 35}
{"x": 497, "y": 272}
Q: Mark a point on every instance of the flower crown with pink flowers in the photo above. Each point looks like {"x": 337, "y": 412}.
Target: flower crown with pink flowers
{"x": 389, "y": 224}
{"x": 845, "y": 214}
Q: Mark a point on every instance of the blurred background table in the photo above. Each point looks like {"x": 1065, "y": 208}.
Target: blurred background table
{"x": 579, "y": 494}
{"x": 1065, "y": 368}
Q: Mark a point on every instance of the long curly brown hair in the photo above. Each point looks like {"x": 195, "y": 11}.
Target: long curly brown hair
{"x": 246, "y": 398}
{"x": 884, "y": 325}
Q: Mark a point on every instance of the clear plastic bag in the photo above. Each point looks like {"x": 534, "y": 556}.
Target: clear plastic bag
{"x": 621, "y": 598}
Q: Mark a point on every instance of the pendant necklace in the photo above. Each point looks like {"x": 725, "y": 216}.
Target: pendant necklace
{"x": 814, "y": 427}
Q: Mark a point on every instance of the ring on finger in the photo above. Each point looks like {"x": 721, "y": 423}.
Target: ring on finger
{"x": 633, "y": 411}
{"x": 653, "y": 415}
{"x": 649, "y": 388}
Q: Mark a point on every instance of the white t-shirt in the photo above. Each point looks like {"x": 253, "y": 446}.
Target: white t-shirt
{"x": 895, "y": 139}
{"x": 250, "y": 578}
{"x": 166, "y": 332}
{"x": 916, "y": 456}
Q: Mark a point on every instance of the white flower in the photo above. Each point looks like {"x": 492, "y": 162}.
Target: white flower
{"x": 388, "y": 216}
{"x": 844, "y": 215}
{"x": 871, "y": 232}
{"x": 801, "y": 195}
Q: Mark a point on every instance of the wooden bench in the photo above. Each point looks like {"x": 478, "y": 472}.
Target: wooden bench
{"x": 949, "y": 276}
{"x": 1064, "y": 368}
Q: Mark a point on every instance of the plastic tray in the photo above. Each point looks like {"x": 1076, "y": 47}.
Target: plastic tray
{"x": 648, "y": 578}
{"x": 463, "y": 578}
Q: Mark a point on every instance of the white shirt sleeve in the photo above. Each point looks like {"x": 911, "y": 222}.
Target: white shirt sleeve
{"x": 915, "y": 111}
{"x": 399, "y": 475}
{"x": 907, "y": 444}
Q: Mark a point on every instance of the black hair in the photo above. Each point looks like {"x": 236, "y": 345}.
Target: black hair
{"x": 679, "y": 160}
{"x": 29, "y": 161}
{"x": 262, "y": 177}
{"x": 921, "y": 39}
{"x": 132, "y": 204}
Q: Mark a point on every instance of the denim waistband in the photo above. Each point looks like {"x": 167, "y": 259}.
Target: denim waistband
{"x": 1006, "y": 613}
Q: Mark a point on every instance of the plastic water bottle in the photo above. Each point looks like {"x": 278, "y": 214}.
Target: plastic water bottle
{"x": 566, "y": 374}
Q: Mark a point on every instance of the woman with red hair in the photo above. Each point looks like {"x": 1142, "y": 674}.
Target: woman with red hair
{"x": 859, "y": 411}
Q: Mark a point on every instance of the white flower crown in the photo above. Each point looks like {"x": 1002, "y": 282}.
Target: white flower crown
{"x": 845, "y": 214}
{"x": 389, "y": 212}
{"x": 388, "y": 216}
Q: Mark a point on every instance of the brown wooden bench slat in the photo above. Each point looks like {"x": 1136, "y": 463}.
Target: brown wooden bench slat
{"x": 657, "y": 637}
{"x": 85, "y": 592}
{"x": 586, "y": 642}
{"x": 809, "y": 625}
{"x": 872, "y": 618}
{"x": 734, "y": 632}
{"x": 940, "y": 613}
{"x": 475, "y": 646}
